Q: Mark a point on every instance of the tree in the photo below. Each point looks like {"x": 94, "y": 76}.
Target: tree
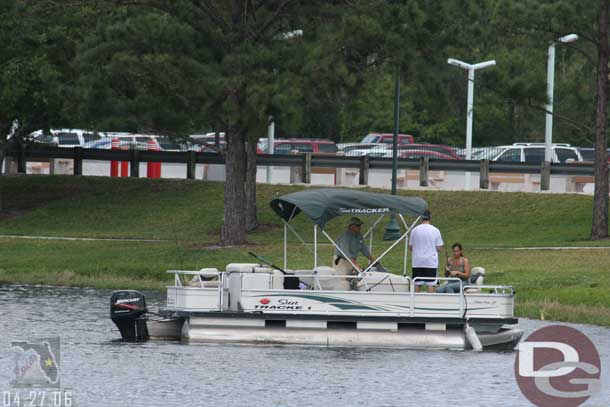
{"x": 177, "y": 67}
{"x": 28, "y": 79}
{"x": 139, "y": 71}
{"x": 320, "y": 68}
{"x": 254, "y": 55}
{"x": 32, "y": 70}
{"x": 551, "y": 19}
{"x": 599, "y": 229}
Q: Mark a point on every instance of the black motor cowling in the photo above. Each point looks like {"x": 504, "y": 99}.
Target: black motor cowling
{"x": 127, "y": 311}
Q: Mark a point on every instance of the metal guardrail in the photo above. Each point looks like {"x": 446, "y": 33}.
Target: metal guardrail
{"x": 301, "y": 163}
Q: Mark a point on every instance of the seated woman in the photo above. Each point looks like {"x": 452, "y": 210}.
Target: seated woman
{"x": 457, "y": 266}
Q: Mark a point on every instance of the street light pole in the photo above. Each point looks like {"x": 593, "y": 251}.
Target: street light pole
{"x": 471, "y": 68}
{"x": 392, "y": 230}
{"x": 469, "y": 114}
{"x": 271, "y": 144}
{"x": 396, "y": 125}
{"x": 550, "y": 88}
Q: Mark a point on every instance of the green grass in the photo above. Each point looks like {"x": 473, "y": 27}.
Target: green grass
{"x": 191, "y": 211}
{"x": 568, "y": 285}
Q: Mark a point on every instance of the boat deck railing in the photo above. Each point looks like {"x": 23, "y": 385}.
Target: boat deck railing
{"x": 202, "y": 294}
{"x": 199, "y": 274}
{"x": 220, "y": 278}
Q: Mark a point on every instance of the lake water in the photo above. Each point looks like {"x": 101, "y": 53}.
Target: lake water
{"x": 102, "y": 371}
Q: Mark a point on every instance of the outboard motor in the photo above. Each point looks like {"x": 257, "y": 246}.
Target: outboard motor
{"x": 127, "y": 309}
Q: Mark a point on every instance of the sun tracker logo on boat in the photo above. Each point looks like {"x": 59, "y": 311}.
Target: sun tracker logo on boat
{"x": 363, "y": 210}
{"x": 558, "y": 366}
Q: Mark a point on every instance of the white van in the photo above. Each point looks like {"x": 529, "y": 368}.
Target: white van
{"x": 533, "y": 153}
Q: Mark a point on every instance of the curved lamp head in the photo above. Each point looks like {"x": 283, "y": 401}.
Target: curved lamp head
{"x": 464, "y": 65}
{"x": 568, "y": 38}
{"x": 485, "y": 64}
{"x": 458, "y": 63}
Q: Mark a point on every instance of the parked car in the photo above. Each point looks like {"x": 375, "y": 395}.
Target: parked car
{"x": 346, "y": 147}
{"x": 67, "y": 137}
{"x": 104, "y": 144}
{"x": 318, "y": 146}
{"x": 362, "y": 149}
{"x": 167, "y": 144}
{"x": 481, "y": 153}
{"x": 207, "y": 137}
{"x": 446, "y": 150}
{"x": 432, "y": 155}
{"x": 533, "y": 153}
{"x": 139, "y": 141}
{"x": 588, "y": 154}
{"x": 387, "y": 138}
{"x": 206, "y": 143}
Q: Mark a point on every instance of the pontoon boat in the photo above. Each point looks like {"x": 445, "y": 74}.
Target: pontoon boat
{"x": 260, "y": 303}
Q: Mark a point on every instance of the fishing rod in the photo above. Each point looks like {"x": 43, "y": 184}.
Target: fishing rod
{"x": 463, "y": 292}
{"x": 267, "y": 262}
{"x": 290, "y": 281}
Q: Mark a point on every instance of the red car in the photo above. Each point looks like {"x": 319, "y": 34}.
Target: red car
{"x": 445, "y": 150}
{"x": 432, "y": 155}
{"x": 387, "y": 138}
{"x": 316, "y": 146}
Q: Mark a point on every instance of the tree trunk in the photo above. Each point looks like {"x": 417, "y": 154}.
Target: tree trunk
{"x": 234, "y": 227}
{"x": 250, "y": 187}
{"x": 2, "y": 147}
{"x": 599, "y": 228}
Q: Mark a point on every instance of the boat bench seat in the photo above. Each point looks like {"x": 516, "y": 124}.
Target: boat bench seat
{"x": 327, "y": 279}
{"x": 376, "y": 281}
{"x": 208, "y": 281}
{"x": 477, "y": 276}
{"x": 257, "y": 276}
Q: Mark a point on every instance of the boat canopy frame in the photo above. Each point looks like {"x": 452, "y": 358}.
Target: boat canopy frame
{"x": 322, "y": 205}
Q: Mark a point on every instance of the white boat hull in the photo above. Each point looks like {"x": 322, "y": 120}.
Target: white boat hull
{"x": 406, "y": 339}
{"x": 320, "y": 332}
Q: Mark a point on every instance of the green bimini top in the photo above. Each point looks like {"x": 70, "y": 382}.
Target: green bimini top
{"x": 322, "y": 205}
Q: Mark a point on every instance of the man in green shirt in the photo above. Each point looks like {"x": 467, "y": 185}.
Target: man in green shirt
{"x": 352, "y": 244}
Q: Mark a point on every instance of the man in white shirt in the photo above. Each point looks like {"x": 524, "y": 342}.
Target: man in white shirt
{"x": 425, "y": 244}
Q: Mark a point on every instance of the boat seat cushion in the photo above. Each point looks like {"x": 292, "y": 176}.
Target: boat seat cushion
{"x": 206, "y": 281}
{"x": 327, "y": 278}
{"x": 376, "y": 281}
{"x": 477, "y": 276}
{"x": 241, "y": 267}
{"x": 209, "y": 280}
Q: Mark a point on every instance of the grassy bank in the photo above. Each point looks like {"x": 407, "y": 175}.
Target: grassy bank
{"x": 186, "y": 216}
